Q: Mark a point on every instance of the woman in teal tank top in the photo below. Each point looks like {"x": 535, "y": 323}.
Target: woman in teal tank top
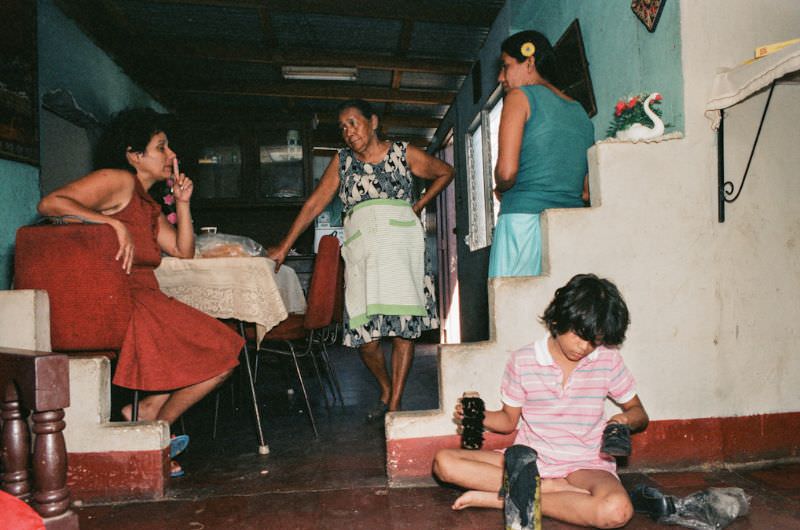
{"x": 543, "y": 139}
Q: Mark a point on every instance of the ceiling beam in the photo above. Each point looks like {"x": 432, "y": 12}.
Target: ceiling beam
{"x": 267, "y": 32}
{"x": 390, "y": 120}
{"x": 420, "y": 10}
{"x": 324, "y": 119}
{"x": 303, "y": 57}
{"x": 402, "y": 49}
{"x": 315, "y": 90}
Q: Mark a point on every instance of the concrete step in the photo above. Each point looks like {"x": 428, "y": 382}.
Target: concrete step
{"x": 106, "y": 460}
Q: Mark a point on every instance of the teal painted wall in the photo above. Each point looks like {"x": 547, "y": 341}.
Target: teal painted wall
{"x": 19, "y": 193}
{"x": 624, "y": 58}
{"x": 67, "y": 59}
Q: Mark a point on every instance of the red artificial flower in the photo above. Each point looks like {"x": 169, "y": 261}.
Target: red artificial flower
{"x": 657, "y": 98}
{"x": 619, "y": 108}
{"x": 632, "y": 103}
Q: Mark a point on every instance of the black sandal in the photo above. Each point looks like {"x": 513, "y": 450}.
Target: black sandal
{"x": 649, "y": 500}
{"x": 616, "y": 440}
{"x": 378, "y": 411}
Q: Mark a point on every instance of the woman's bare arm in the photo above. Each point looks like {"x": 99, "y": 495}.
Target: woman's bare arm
{"x": 95, "y": 197}
{"x": 516, "y": 111}
{"x": 178, "y": 241}
{"x": 428, "y": 167}
{"x": 319, "y": 199}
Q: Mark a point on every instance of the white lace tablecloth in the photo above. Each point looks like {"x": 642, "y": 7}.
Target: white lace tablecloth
{"x": 246, "y": 289}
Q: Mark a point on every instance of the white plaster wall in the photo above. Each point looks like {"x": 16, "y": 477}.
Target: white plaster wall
{"x": 25, "y": 319}
{"x": 25, "y": 324}
{"x": 754, "y": 368}
{"x": 89, "y": 429}
{"x": 714, "y": 306}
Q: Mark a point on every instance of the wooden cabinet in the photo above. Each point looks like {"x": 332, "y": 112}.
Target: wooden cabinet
{"x": 251, "y": 179}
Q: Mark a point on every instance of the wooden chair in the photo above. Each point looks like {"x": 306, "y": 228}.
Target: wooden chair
{"x": 300, "y": 335}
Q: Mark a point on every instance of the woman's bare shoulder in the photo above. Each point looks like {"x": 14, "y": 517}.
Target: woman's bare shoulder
{"x": 122, "y": 175}
{"x": 102, "y": 189}
{"x": 515, "y": 98}
{"x": 109, "y": 179}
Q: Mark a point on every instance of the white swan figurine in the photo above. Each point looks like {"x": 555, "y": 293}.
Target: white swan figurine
{"x": 637, "y": 131}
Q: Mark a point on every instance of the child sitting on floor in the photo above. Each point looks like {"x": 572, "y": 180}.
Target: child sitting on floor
{"x": 558, "y": 386}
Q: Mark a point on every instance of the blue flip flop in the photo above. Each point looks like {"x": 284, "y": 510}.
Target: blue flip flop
{"x": 176, "y": 473}
{"x": 178, "y": 444}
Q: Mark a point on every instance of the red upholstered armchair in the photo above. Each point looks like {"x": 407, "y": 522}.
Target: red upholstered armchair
{"x": 89, "y": 292}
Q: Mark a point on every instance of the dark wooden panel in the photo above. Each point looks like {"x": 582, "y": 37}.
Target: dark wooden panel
{"x": 266, "y": 224}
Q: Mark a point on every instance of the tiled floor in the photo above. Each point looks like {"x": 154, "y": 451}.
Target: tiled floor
{"x": 339, "y": 482}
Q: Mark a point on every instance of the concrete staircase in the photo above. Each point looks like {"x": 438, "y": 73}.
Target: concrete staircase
{"x": 107, "y": 460}
{"x": 574, "y": 241}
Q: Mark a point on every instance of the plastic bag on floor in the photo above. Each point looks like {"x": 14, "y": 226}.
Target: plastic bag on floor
{"x": 710, "y": 509}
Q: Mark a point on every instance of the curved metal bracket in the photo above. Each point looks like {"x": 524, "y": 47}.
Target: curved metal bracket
{"x": 726, "y": 190}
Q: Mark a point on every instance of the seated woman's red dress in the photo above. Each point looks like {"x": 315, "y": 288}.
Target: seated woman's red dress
{"x": 168, "y": 345}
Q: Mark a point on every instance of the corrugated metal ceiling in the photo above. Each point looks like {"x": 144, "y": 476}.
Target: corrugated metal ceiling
{"x": 226, "y": 56}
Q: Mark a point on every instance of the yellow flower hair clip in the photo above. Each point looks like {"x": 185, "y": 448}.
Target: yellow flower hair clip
{"x": 527, "y": 49}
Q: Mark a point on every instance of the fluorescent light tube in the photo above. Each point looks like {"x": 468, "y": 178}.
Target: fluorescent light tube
{"x": 320, "y": 73}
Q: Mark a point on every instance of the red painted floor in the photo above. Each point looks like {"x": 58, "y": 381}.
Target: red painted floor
{"x": 339, "y": 481}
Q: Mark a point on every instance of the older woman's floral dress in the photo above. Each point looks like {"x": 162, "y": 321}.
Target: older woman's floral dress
{"x": 390, "y": 178}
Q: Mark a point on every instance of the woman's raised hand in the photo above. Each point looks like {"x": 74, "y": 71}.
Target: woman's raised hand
{"x": 183, "y": 185}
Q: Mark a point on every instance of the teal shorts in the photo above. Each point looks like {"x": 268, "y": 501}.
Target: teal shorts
{"x": 516, "y": 246}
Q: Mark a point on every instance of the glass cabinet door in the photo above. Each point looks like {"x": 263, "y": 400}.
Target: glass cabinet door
{"x": 280, "y": 164}
{"x": 218, "y": 168}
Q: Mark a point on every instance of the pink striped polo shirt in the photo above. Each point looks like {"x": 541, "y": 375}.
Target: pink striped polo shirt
{"x": 564, "y": 424}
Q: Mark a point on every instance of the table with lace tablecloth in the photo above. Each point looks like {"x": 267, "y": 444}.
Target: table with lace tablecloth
{"x": 242, "y": 288}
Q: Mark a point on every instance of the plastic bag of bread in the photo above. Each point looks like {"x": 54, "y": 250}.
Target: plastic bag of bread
{"x": 226, "y": 246}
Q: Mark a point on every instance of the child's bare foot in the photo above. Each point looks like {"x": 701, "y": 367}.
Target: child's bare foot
{"x": 478, "y": 499}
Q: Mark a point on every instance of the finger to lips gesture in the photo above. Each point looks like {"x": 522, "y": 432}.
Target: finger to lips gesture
{"x": 183, "y": 185}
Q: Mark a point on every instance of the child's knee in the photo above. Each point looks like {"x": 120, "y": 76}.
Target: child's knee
{"x": 614, "y": 511}
{"x": 443, "y": 464}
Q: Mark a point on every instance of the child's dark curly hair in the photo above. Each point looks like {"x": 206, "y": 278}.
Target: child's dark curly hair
{"x": 590, "y": 307}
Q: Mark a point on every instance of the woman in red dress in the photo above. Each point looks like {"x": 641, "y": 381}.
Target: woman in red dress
{"x": 170, "y": 349}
